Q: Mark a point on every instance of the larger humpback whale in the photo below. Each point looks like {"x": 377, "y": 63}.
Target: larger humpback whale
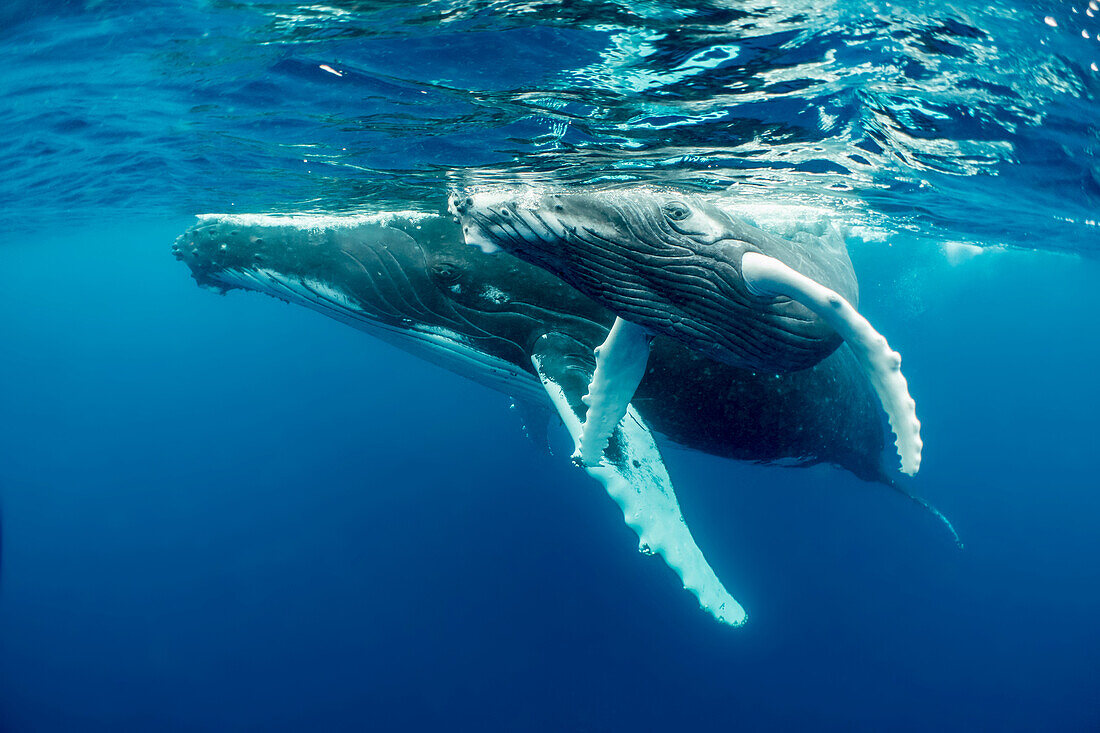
{"x": 671, "y": 263}
{"x": 407, "y": 278}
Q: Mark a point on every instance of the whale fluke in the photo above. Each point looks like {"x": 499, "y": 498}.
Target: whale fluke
{"x": 934, "y": 511}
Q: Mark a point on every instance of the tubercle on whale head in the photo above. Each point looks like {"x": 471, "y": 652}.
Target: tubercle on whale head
{"x": 459, "y": 204}
{"x": 544, "y": 226}
{"x": 215, "y": 245}
{"x": 512, "y": 220}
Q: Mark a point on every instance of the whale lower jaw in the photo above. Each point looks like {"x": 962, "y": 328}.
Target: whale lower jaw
{"x": 439, "y": 345}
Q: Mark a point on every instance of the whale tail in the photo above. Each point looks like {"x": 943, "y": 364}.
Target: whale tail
{"x": 931, "y": 509}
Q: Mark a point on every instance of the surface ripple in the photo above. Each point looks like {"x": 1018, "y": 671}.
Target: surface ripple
{"x": 965, "y": 122}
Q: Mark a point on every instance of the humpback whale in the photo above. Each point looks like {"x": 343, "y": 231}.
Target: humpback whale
{"x": 675, "y": 264}
{"x": 409, "y": 279}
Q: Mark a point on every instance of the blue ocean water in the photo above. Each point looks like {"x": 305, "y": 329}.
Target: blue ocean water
{"x": 226, "y": 513}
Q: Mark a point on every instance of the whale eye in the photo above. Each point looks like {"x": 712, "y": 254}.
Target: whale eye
{"x": 446, "y": 272}
{"x": 677, "y": 211}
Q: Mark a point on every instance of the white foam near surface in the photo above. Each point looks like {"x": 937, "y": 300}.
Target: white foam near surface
{"x": 959, "y": 252}
{"x": 312, "y": 222}
{"x": 639, "y": 483}
{"x": 767, "y": 276}
{"x": 620, "y": 365}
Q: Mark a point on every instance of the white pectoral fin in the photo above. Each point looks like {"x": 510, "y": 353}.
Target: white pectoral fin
{"x": 634, "y": 475}
{"x": 620, "y": 365}
{"x": 768, "y": 276}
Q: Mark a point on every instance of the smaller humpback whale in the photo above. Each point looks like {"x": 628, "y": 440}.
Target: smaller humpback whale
{"x": 674, "y": 264}
{"x": 408, "y": 279}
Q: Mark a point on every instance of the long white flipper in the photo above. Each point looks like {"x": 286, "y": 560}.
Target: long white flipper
{"x": 634, "y": 475}
{"x": 767, "y": 276}
{"x": 620, "y": 366}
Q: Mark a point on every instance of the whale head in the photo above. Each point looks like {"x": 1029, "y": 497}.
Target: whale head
{"x": 668, "y": 261}
{"x": 406, "y": 278}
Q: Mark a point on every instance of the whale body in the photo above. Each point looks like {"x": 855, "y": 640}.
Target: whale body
{"x": 408, "y": 279}
{"x": 675, "y": 264}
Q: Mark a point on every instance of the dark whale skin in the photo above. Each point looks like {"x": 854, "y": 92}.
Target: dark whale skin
{"x": 670, "y": 262}
{"x": 422, "y": 271}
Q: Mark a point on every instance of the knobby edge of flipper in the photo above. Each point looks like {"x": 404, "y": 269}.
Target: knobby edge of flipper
{"x": 768, "y": 277}
{"x": 634, "y": 475}
{"x": 620, "y": 365}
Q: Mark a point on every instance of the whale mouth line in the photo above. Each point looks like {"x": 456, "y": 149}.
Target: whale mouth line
{"x": 321, "y": 296}
{"x": 438, "y": 344}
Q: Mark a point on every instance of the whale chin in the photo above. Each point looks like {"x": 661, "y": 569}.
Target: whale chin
{"x": 433, "y": 343}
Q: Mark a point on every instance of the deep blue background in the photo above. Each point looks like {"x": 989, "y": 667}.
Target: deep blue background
{"x": 226, "y": 513}
{"x": 232, "y": 514}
